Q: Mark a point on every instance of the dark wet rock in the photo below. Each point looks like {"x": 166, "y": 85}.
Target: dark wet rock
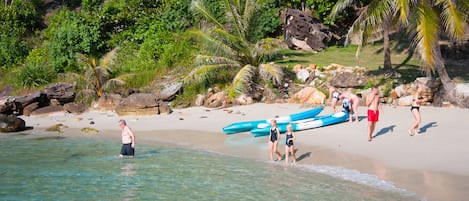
{"x": 11, "y": 123}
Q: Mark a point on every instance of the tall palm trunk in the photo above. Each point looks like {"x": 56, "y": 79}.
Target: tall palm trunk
{"x": 387, "y": 48}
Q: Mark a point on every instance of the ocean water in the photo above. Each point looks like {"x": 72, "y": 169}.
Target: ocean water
{"x": 45, "y": 167}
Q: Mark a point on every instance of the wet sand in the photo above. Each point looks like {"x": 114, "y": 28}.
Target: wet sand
{"x": 435, "y": 165}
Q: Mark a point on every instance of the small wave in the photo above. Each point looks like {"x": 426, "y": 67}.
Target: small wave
{"x": 356, "y": 177}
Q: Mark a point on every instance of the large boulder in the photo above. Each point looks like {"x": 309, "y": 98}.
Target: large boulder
{"x": 216, "y": 100}
{"x": 107, "y": 102}
{"x": 74, "y": 108}
{"x": 47, "y": 110}
{"x": 139, "y": 104}
{"x": 348, "y": 80}
{"x": 62, "y": 91}
{"x": 170, "y": 90}
{"x": 11, "y": 123}
{"x": 303, "y": 31}
{"x": 308, "y": 95}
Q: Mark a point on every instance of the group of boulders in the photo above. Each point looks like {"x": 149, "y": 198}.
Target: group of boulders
{"x": 61, "y": 97}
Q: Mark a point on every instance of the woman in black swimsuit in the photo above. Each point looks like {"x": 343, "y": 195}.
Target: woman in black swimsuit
{"x": 289, "y": 148}
{"x": 274, "y": 136}
{"x": 415, "y": 109}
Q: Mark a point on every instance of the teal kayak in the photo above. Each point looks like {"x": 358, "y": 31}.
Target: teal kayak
{"x": 248, "y": 125}
{"x": 315, "y": 122}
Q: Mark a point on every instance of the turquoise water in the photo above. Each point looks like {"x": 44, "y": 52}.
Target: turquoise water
{"x": 44, "y": 167}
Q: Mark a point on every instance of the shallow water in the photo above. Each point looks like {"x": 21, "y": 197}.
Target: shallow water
{"x": 35, "y": 167}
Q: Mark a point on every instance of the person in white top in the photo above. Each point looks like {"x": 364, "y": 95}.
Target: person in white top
{"x": 128, "y": 140}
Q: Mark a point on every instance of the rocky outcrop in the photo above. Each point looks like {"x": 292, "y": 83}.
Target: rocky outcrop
{"x": 108, "y": 102}
{"x": 170, "y": 91}
{"x": 62, "y": 92}
{"x": 11, "y": 123}
{"x": 308, "y": 95}
{"x": 142, "y": 104}
{"x": 302, "y": 31}
{"x": 74, "y": 108}
{"x": 402, "y": 94}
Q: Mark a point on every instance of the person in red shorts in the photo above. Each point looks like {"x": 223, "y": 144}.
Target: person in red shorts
{"x": 372, "y": 101}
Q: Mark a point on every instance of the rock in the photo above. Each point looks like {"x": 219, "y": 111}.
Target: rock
{"x": 30, "y": 108}
{"x": 199, "y": 100}
{"x": 108, "y": 102}
{"x": 170, "y": 90}
{"x": 348, "y": 80}
{"x": 11, "y": 123}
{"x": 56, "y": 128}
{"x": 43, "y": 111}
{"x": 297, "y": 68}
{"x": 308, "y": 95}
{"x": 402, "y": 90}
{"x": 405, "y": 101}
{"x": 164, "y": 108}
{"x": 89, "y": 130}
{"x": 303, "y": 75}
{"x": 244, "y": 99}
{"x": 463, "y": 89}
{"x": 138, "y": 104}
{"x": 74, "y": 108}
{"x": 302, "y": 31}
{"x": 62, "y": 91}
{"x": 216, "y": 100}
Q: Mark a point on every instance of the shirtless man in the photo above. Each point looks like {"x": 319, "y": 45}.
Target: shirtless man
{"x": 128, "y": 140}
{"x": 372, "y": 101}
{"x": 353, "y": 100}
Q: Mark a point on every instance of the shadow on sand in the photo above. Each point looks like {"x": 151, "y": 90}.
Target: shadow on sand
{"x": 384, "y": 130}
{"x": 427, "y": 126}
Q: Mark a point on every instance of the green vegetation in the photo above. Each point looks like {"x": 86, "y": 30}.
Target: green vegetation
{"x": 232, "y": 45}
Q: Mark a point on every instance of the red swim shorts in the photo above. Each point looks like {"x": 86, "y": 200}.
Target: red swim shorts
{"x": 373, "y": 115}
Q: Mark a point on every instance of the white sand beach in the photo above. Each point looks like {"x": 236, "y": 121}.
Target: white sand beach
{"x": 435, "y": 164}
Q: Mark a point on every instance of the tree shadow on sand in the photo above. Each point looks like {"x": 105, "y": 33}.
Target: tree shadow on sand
{"x": 385, "y": 130}
{"x": 427, "y": 126}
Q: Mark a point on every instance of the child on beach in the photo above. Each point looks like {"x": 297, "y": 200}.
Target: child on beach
{"x": 289, "y": 148}
{"x": 333, "y": 96}
{"x": 274, "y": 137}
{"x": 352, "y": 100}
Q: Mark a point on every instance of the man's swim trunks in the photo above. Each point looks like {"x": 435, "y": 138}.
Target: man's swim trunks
{"x": 127, "y": 150}
{"x": 373, "y": 115}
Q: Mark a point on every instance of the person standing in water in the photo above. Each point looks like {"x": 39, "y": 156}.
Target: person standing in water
{"x": 289, "y": 148}
{"x": 274, "y": 137}
{"x": 128, "y": 140}
{"x": 372, "y": 101}
{"x": 333, "y": 96}
{"x": 417, "y": 99}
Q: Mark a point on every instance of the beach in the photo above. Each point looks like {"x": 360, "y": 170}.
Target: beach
{"x": 434, "y": 165}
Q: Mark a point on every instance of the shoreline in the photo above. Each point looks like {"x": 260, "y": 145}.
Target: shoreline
{"x": 434, "y": 166}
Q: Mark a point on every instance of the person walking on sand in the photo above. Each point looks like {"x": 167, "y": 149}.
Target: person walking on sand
{"x": 417, "y": 99}
{"x": 353, "y": 100}
{"x": 274, "y": 137}
{"x": 289, "y": 148}
{"x": 128, "y": 140}
{"x": 372, "y": 101}
{"x": 333, "y": 96}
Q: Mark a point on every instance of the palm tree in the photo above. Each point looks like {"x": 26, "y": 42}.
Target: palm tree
{"x": 227, "y": 46}
{"x": 97, "y": 74}
{"x": 426, "y": 20}
{"x": 374, "y": 20}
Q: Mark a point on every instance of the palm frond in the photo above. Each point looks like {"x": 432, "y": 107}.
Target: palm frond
{"x": 243, "y": 77}
{"x": 427, "y": 38}
{"x": 108, "y": 59}
{"x": 199, "y": 7}
{"x": 403, "y": 8}
{"x": 271, "y": 72}
{"x": 210, "y": 60}
{"x": 234, "y": 18}
{"x": 454, "y": 19}
{"x": 267, "y": 48}
{"x": 89, "y": 61}
{"x": 340, "y": 6}
{"x": 202, "y": 72}
{"x": 213, "y": 45}
{"x": 112, "y": 84}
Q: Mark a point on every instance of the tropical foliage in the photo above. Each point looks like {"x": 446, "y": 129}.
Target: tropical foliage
{"x": 227, "y": 47}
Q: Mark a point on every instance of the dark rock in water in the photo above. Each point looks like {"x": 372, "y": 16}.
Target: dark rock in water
{"x": 91, "y": 122}
{"x": 11, "y": 123}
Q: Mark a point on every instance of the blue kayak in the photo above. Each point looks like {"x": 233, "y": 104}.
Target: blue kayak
{"x": 248, "y": 125}
{"x": 315, "y": 122}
